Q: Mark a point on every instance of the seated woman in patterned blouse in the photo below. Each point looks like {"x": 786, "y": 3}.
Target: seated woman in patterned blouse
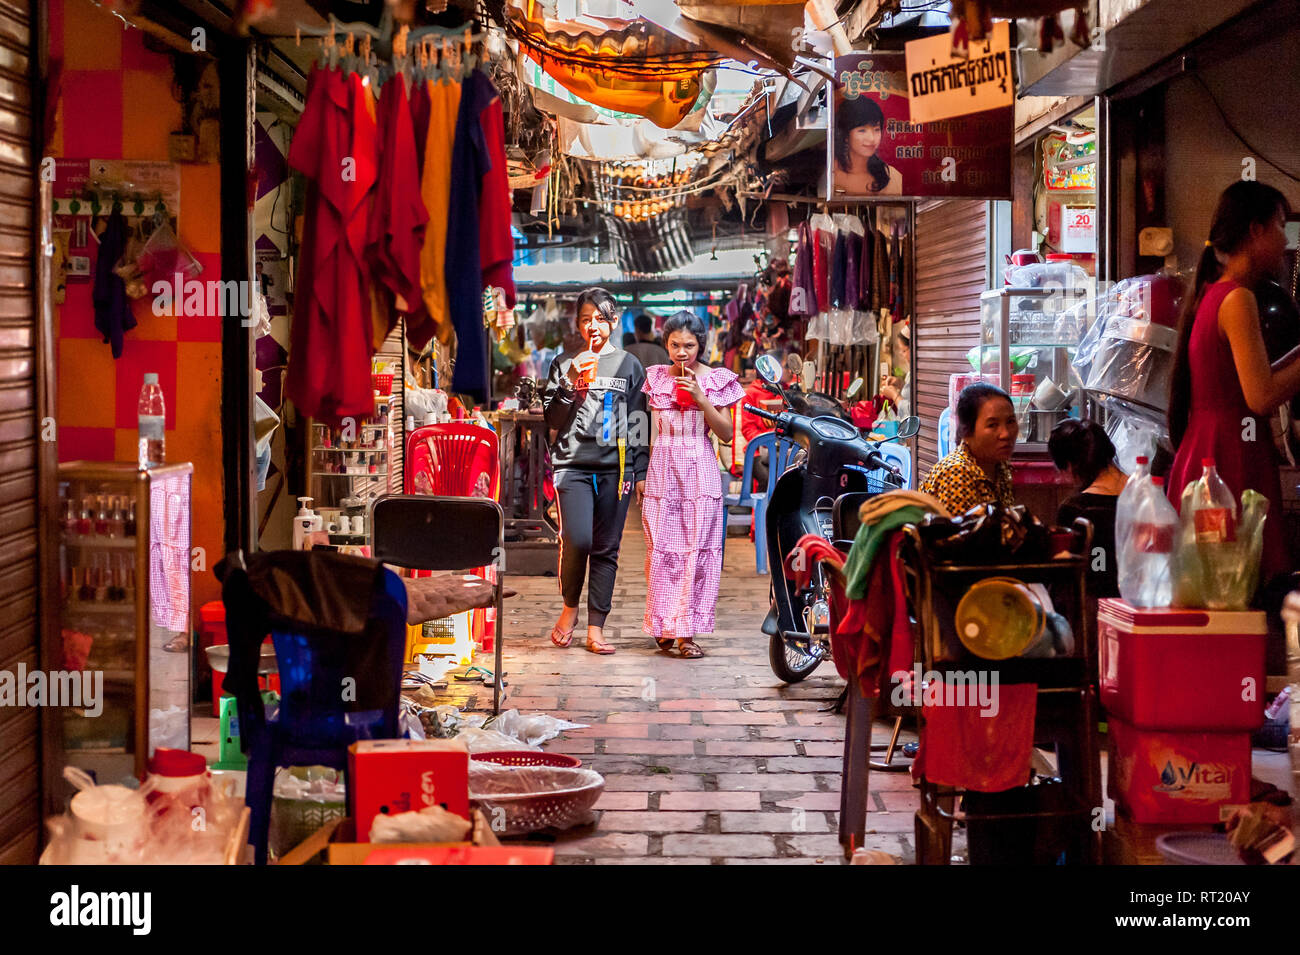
{"x": 977, "y": 472}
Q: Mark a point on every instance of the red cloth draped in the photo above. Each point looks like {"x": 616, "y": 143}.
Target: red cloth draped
{"x": 395, "y": 234}
{"x": 329, "y": 355}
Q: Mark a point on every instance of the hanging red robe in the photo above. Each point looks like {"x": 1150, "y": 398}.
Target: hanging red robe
{"x": 329, "y": 353}
{"x": 395, "y": 234}
{"x": 496, "y": 244}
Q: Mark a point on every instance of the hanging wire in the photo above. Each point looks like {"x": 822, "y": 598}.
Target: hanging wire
{"x": 1232, "y": 128}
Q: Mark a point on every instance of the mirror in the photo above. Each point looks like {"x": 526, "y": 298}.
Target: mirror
{"x": 809, "y": 375}
{"x": 909, "y": 427}
{"x": 769, "y": 369}
{"x": 854, "y": 388}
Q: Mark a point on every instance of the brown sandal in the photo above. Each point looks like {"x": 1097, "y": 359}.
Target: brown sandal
{"x": 689, "y": 649}
{"x": 665, "y": 643}
{"x": 599, "y": 646}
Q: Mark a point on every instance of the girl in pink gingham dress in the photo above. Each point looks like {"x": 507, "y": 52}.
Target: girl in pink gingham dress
{"x": 681, "y": 510}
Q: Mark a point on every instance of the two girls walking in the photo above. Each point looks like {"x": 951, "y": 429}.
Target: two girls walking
{"x": 597, "y": 403}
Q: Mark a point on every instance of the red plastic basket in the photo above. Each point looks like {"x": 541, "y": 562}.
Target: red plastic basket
{"x": 528, "y": 757}
{"x": 382, "y": 384}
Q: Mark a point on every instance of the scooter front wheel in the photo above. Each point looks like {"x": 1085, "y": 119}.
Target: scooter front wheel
{"x": 790, "y": 662}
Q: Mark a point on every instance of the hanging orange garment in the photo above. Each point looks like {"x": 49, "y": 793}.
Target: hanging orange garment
{"x": 435, "y": 187}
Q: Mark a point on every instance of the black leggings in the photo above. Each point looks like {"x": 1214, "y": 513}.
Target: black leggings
{"x": 591, "y": 526}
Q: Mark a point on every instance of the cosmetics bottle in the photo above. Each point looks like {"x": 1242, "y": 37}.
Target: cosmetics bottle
{"x": 116, "y": 592}
{"x": 128, "y": 583}
{"x": 128, "y": 524}
{"x": 115, "y": 520}
{"x": 101, "y": 578}
{"x": 101, "y": 517}
{"x": 85, "y": 523}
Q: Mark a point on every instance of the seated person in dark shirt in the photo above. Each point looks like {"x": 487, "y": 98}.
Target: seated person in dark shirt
{"x": 1082, "y": 449}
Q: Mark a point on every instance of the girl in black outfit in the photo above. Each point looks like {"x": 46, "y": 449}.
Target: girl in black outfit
{"x": 596, "y": 412}
{"x": 1082, "y": 449}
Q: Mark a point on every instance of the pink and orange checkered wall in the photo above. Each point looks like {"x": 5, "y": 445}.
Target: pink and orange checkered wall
{"x": 117, "y": 103}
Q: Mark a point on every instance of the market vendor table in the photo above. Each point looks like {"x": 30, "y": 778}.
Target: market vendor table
{"x": 531, "y": 542}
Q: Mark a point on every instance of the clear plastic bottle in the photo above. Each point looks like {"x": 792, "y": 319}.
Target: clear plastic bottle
{"x": 152, "y": 417}
{"x": 1145, "y": 556}
{"x": 1214, "y": 515}
{"x": 1214, "y": 509}
{"x": 1140, "y": 478}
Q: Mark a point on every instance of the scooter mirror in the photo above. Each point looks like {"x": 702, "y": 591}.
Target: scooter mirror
{"x": 909, "y": 426}
{"x": 809, "y": 376}
{"x": 769, "y": 369}
{"x": 853, "y": 390}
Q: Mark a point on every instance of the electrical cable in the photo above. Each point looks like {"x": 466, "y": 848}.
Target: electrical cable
{"x": 1233, "y": 129}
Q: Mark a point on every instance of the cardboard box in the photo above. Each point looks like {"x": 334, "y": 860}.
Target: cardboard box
{"x": 337, "y": 841}
{"x": 461, "y": 855}
{"x": 401, "y": 775}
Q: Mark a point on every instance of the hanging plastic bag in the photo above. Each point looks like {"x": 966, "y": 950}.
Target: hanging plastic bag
{"x": 163, "y": 257}
{"x": 1219, "y": 575}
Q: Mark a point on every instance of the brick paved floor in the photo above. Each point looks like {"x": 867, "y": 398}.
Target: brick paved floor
{"x": 705, "y": 761}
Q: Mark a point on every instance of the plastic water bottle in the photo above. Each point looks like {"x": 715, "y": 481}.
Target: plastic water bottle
{"x": 152, "y": 417}
{"x": 1145, "y": 555}
{"x": 1214, "y": 509}
{"x": 1140, "y": 478}
{"x": 1214, "y": 513}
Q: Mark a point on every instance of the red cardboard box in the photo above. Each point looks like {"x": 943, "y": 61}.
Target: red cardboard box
{"x": 1179, "y": 777}
{"x": 402, "y": 775}
{"x": 462, "y": 855}
{"x": 1182, "y": 669}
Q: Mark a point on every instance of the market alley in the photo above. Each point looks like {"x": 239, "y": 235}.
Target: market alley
{"x": 709, "y": 760}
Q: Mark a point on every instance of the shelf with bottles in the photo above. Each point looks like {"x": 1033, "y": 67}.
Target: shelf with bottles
{"x": 121, "y": 528}
{"x": 99, "y": 520}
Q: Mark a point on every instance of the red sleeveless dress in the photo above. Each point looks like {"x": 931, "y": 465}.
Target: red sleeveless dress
{"x": 1216, "y": 424}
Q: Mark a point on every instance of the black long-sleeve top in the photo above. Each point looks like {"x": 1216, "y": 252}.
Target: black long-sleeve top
{"x": 587, "y": 435}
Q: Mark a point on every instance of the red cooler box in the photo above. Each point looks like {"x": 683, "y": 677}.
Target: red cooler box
{"x": 1179, "y": 777}
{"x": 1182, "y": 669}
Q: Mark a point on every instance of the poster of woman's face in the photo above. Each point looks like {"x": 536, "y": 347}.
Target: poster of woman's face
{"x": 858, "y": 165}
{"x": 875, "y": 150}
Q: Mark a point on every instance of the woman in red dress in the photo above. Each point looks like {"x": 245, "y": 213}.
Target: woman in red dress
{"x": 1223, "y": 390}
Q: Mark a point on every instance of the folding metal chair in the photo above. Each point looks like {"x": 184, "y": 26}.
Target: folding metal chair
{"x": 444, "y": 533}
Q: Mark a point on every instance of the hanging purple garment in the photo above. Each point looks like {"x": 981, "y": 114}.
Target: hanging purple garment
{"x": 864, "y": 272}
{"x": 803, "y": 296}
{"x": 839, "y": 266}
{"x": 112, "y": 308}
{"x": 852, "y": 270}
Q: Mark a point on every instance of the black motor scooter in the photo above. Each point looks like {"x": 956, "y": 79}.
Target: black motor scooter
{"x": 837, "y": 459}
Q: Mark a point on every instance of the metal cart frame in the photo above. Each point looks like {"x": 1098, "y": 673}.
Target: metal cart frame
{"x": 1066, "y": 713}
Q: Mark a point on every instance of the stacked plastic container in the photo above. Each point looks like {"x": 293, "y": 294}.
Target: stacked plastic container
{"x": 1184, "y": 690}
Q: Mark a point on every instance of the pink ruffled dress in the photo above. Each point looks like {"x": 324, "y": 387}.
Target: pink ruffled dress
{"x": 682, "y": 509}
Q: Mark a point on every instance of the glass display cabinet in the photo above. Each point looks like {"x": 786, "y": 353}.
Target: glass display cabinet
{"x": 124, "y": 564}
{"x": 1027, "y": 341}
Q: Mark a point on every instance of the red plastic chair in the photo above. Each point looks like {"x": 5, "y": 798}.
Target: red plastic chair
{"x": 455, "y": 459}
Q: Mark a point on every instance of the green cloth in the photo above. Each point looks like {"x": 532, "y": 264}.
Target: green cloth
{"x": 863, "y": 552}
